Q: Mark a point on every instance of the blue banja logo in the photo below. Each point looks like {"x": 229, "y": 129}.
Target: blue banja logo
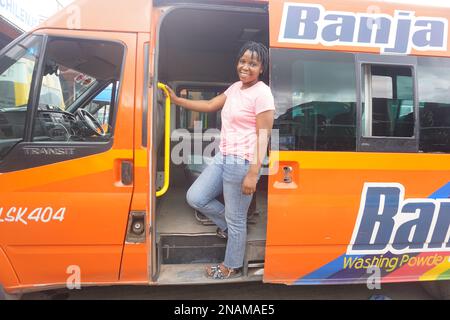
{"x": 312, "y": 24}
{"x": 387, "y": 222}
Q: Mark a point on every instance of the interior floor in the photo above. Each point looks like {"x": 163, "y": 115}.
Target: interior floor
{"x": 176, "y": 217}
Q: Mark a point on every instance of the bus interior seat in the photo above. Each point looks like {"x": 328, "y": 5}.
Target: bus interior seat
{"x": 405, "y": 126}
{"x": 435, "y": 127}
{"x": 7, "y": 94}
{"x": 195, "y": 166}
{"x": 321, "y": 122}
{"x": 193, "y": 170}
{"x": 381, "y": 120}
{"x": 343, "y": 130}
{"x": 197, "y": 163}
{"x": 435, "y": 115}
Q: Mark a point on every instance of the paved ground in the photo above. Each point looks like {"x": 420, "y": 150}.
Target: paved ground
{"x": 251, "y": 291}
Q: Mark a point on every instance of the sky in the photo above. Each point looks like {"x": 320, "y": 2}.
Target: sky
{"x": 26, "y": 14}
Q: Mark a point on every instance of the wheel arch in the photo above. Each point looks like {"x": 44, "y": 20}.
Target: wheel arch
{"x": 8, "y": 277}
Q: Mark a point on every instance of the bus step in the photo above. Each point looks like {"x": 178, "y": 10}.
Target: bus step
{"x": 183, "y": 249}
{"x": 196, "y": 274}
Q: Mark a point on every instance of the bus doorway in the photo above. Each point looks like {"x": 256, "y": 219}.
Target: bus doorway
{"x": 197, "y": 55}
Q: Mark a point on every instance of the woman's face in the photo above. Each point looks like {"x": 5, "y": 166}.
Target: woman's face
{"x": 249, "y": 68}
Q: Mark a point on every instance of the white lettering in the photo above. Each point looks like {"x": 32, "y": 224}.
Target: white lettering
{"x": 24, "y": 215}
{"x": 398, "y": 34}
{"x": 59, "y": 215}
{"x": 35, "y": 215}
{"x": 20, "y": 214}
{"x": 9, "y": 215}
{"x": 49, "y": 212}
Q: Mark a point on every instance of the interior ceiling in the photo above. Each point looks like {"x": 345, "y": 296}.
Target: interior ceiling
{"x": 99, "y": 60}
{"x": 195, "y": 43}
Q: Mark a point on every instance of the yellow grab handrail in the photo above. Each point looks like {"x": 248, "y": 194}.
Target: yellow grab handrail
{"x": 166, "y": 144}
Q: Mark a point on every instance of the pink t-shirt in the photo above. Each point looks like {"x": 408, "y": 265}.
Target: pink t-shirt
{"x": 238, "y": 136}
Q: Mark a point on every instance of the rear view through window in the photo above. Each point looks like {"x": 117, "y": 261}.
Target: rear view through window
{"x": 16, "y": 75}
{"x": 315, "y": 93}
{"x": 434, "y": 97}
{"x": 79, "y": 88}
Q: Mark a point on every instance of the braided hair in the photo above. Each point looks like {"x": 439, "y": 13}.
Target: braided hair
{"x": 258, "y": 48}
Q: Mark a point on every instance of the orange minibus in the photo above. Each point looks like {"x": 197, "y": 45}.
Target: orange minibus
{"x": 95, "y": 160}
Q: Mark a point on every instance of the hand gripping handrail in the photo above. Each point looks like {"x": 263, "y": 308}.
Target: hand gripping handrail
{"x": 165, "y": 187}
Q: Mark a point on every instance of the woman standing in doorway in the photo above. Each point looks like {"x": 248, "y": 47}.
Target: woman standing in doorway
{"x": 247, "y": 119}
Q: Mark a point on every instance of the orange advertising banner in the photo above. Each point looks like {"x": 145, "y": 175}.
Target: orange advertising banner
{"x": 360, "y": 26}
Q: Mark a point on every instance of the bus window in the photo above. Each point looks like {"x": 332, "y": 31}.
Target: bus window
{"x": 315, "y": 95}
{"x": 388, "y": 105}
{"x": 188, "y": 118}
{"x": 79, "y": 75}
{"x": 434, "y": 96}
{"x": 100, "y": 106}
{"x": 17, "y": 67}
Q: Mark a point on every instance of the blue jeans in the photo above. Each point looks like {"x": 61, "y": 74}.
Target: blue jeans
{"x": 225, "y": 175}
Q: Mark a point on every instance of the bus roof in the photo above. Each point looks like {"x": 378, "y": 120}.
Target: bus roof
{"x": 103, "y": 15}
{"x": 134, "y": 15}
{"x": 121, "y": 16}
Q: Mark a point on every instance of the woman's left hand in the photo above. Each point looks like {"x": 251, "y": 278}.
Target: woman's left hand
{"x": 249, "y": 184}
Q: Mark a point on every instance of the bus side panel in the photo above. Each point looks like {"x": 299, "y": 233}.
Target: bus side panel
{"x": 312, "y": 224}
{"x": 135, "y": 259}
{"x": 67, "y": 220}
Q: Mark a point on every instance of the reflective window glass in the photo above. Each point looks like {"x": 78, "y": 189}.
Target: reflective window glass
{"x": 315, "y": 96}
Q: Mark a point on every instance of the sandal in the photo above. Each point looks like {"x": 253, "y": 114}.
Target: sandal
{"x": 222, "y": 234}
{"x": 220, "y": 272}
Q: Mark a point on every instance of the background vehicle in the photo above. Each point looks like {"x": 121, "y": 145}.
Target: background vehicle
{"x": 363, "y": 144}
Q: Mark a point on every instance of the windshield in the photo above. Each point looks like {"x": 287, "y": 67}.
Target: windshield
{"x": 16, "y": 73}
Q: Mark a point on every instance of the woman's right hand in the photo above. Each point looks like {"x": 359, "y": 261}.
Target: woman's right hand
{"x": 212, "y": 105}
{"x": 172, "y": 94}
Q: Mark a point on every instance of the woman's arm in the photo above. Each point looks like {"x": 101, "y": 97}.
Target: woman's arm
{"x": 212, "y": 105}
{"x": 264, "y": 125}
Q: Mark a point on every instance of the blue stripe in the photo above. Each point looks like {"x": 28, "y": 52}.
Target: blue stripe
{"x": 326, "y": 271}
{"x": 442, "y": 193}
